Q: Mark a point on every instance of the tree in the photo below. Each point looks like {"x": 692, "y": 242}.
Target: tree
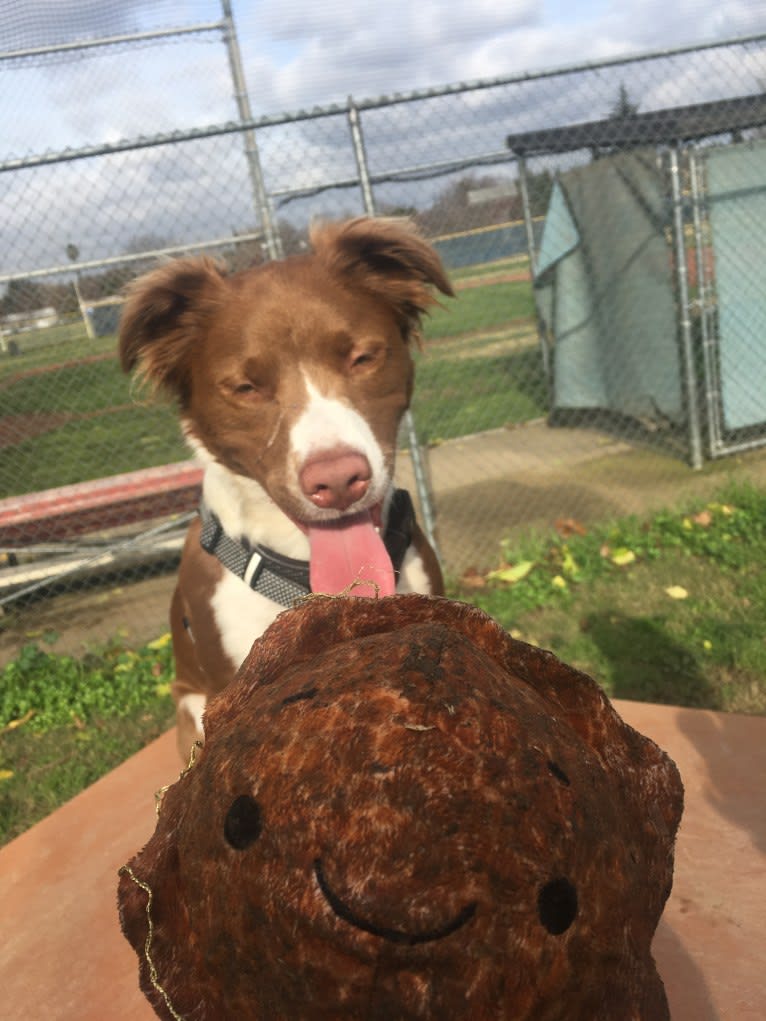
{"x": 623, "y": 107}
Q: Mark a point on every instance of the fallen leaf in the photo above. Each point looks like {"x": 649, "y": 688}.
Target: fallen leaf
{"x": 512, "y": 573}
{"x": 622, "y": 557}
{"x": 704, "y": 518}
{"x": 569, "y": 526}
{"x": 473, "y": 579}
{"x": 558, "y": 582}
{"x": 722, "y": 508}
{"x": 676, "y": 592}
{"x": 21, "y": 721}
{"x": 161, "y": 642}
{"x": 569, "y": 564}
{"x": 6, "y": 774}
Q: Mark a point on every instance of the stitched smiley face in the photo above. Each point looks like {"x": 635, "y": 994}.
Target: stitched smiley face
{"x": 401, "y": 813}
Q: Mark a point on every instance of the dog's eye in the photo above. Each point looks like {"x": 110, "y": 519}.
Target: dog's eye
{"x": 360, "y": 358}
{"x": 244, "y": 388}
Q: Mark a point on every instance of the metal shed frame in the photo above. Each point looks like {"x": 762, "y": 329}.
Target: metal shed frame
{"x": 676, "y": 130}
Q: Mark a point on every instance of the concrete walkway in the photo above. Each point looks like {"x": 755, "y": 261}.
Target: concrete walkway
{"x": 63, "y": 958}
{"x": 490, "y": 486}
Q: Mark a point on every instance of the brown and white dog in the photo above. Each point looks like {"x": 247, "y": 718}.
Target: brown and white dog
{"x": 291, "y": 378}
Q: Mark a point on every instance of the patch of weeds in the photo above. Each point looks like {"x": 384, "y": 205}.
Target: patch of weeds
{"x": 40, "y": 770}
{"x": 43, "y": 690}
{"x": 670, "y": 609}
{"x": 65, "y": 721}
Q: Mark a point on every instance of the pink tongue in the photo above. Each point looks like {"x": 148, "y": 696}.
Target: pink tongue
{"x": 349, "y": 556}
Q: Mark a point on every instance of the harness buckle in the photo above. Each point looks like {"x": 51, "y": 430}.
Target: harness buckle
{"x": 253, "y": 570}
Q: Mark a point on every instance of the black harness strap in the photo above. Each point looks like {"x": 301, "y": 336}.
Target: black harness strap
{"x": 284, "y": 579}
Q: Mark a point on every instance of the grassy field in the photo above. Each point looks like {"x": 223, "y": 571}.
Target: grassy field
{"x": 68, "y": 412}
{"x": 64, "y": 722}
{"x": 65, "y": 342}
{"x": 670, "y": 609}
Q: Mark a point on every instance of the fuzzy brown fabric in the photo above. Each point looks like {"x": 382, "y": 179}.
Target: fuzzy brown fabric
{"x": 401, "y": 812}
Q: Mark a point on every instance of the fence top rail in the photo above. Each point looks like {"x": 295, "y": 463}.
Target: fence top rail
{"x": 672, "y": 124}
{"x": 581, "y": 66}
{"x": 110, "y": 40}
{"x": 334, "y": 110}
{"x": 72, "y": 268}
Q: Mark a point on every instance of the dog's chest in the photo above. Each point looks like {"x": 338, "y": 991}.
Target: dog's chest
{"x": 241, "y": 615}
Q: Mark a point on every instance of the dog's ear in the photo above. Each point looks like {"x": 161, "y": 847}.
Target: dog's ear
{"x": 164, "y": 313}
{"x": 386, "y": 257}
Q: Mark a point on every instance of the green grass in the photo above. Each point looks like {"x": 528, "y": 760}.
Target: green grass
{"x": 458, "y": 396}
{"x": 481, "y": 308}
{"x": 62, "y": 343}
{"x": 82, "y": 387}
{"x": 513, "y": 264}
{"x": 670, "y": 609}
{"x": 96, "y": 428}
{"x": 65, "y": 721}
{"x": 93, "y": 447}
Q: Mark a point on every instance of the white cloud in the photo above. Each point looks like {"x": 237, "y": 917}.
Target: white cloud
{"x": 320, "y": 53}
{"x": 299, "y": 54}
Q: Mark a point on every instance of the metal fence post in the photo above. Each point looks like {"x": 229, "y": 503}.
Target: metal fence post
{"x": 255, "y": 170}
{"x": 529, "y": 230}
{"x": 525, "y": 204}
{"x": 712, "y": 381}
{"x": 418, "y": 464}
{"x": 689, "y": 374}
{"x": 360, "y": 155}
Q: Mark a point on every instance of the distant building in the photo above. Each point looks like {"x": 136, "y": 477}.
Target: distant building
{"x": 36, "y": 319}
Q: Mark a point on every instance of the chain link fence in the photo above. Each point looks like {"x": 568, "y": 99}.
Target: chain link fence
{"x": 603, "y": 226}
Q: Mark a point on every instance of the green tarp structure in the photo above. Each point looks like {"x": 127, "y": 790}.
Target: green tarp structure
{"x": 605, "y": 293}
{"x": 736, "y": 199}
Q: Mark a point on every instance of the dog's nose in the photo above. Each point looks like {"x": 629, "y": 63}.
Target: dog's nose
{"x": 335, "y": 481}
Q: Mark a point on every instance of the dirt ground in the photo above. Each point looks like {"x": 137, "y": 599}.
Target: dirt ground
{"x": 484, "y": 488}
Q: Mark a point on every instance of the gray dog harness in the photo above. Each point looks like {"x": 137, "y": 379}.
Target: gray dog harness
{"x": 284, "y": 579}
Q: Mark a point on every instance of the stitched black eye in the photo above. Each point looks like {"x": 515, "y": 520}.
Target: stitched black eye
{"x": 557, "y": 905}
{"x": 242, "y": 825}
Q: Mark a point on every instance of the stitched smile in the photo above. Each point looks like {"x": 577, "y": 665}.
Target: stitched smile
{"x": 400, "y": 936}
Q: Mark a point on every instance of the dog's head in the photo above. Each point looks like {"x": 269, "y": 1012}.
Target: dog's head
{"x": 296, "y": 373}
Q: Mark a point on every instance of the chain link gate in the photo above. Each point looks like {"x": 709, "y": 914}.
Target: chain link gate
{"x": 94, "y": 478}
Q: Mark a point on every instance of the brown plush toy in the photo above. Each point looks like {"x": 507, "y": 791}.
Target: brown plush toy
{"x": 400, "y": 812}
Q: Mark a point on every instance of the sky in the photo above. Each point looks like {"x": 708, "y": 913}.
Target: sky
{"x": 300, "y": 54}
{"x": 303, "y": 53}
